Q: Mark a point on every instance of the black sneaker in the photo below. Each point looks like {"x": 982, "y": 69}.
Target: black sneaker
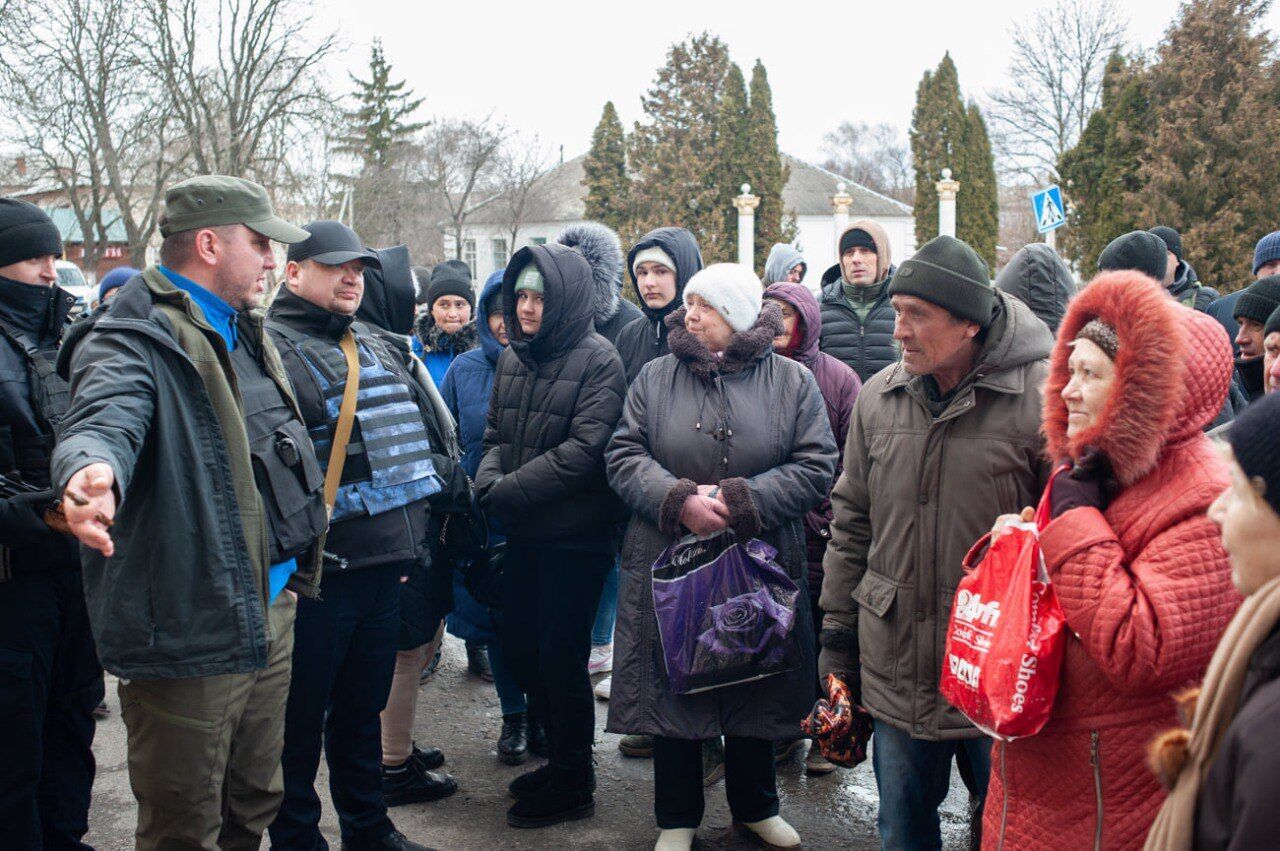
{"x": 513, "y": 741}
{"x": 567, "y": 796}
{"x": 478, "y": 661}
{"x": 408, "y": 784}
{"x": 393, "y": 841}
{"x": 427, "y": 759}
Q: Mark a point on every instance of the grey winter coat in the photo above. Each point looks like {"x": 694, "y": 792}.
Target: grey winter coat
{"x": 775, "y": 465}
{"x": 1038, "y": 278}
{"x": 916, "y": 493}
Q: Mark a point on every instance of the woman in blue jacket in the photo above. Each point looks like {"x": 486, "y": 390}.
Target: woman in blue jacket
{"x": 466, "y": 390}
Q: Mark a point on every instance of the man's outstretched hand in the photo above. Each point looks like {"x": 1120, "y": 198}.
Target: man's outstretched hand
{"x": 89, "y": 502}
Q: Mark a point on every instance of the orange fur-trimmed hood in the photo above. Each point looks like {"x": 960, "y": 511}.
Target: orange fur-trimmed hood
{"x": 1173, "y": 370}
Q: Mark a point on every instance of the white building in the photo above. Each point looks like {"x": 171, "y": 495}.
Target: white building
{"x": 559, "y": 200}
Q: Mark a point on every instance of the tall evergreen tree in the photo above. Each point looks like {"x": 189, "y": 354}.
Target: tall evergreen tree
{"x": 673, "y": 149}
{"x": 978, "y": 206}
{"x": 1213, "y": 159}
{"x": 766, "y": 173}
{"x": 733, "y": 156}
{"x": 938, "y": 126}
{"x": 381, "y": 116}
{"x": 608, "y": 185}
{"x": 1101, "y": 174}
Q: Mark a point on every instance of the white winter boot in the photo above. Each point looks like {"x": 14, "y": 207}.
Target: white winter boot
{"x": 775, "y": 832}
{"x": 675, "y": 839}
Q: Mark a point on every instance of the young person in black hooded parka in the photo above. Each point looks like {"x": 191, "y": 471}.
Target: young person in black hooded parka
{"x": 557, "y": 397}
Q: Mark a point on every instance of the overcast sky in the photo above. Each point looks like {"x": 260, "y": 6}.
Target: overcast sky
{"x": 548, "y": 68}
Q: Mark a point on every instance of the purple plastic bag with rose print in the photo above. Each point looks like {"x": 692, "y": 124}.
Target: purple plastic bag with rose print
{"x": 725, "y": 612}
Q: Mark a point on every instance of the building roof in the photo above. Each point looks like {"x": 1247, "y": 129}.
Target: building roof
{"x": 65, "y": 220}
{"x": 560, "y": 196}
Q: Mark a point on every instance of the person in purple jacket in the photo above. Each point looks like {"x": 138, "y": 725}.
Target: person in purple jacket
{"x": 839, "y": 386}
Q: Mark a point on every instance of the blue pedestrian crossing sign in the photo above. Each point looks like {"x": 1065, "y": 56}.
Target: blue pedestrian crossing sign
{"x": 1050, "y": 211}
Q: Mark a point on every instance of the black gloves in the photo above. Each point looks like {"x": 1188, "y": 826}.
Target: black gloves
{"x": 1089, "y": 484}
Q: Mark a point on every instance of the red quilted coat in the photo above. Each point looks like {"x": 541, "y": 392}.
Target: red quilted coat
{"x": 1145, "y": 585}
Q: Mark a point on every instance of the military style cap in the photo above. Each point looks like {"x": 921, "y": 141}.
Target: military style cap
{"x": 212, "y": 200}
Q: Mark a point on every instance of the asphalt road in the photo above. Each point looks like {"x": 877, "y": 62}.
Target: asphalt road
{"x": 459, "y": 713}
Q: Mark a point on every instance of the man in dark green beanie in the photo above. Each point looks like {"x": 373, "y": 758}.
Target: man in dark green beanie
{"x": 956, "y": 423}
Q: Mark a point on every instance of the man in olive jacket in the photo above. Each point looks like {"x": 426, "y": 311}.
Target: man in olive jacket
{"x": 939, "y": 445}
{"x": 187, "y": 550}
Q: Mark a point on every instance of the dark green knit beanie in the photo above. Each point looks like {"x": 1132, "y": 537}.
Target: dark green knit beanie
{"x": 950, "y": 274}
{"x": 1259, "y": 300}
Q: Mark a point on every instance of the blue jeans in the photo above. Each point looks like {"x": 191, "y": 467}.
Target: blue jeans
{"x": 912, "y": 776}
{"x": 607, "y": 609}
{"x": 510, "y": 697}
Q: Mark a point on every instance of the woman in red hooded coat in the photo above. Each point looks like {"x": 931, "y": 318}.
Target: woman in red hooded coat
{"x": 1138, "y": 566}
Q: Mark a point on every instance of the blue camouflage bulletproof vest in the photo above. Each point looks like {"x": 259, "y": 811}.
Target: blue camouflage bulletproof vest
{"x": 389, "y": 432}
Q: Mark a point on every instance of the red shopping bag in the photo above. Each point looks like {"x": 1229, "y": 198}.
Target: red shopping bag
{"x": 1006, "y": 636}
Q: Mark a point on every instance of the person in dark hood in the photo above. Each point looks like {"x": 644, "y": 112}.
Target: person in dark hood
{"x": 785, "y": 265}
{"x": 1179, "y": 278}
{"x": 1037, "y": 277}
{"x": 660, "y": 265}
{"x": 445, "y": 329}
{"x": 1253, "y": 308}
{"x": 53, "y": 679}
{"x": 557, "y": 397}
{"x": 857, "y": 318}
{"x": 1266, "y": 262}
{"x": 387, "y": 312}
{"x": 467, "y": 387}
{"x": 802, "y": 320}
{"x": 603, "y": 250}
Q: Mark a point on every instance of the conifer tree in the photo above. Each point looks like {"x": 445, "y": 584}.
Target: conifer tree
{"x": 938, "y": 126}
{"x": 733, "y": 156}
{"x": 608, "y": 185}
{"x": 673, "y": 148}
{"x": 1213, "y": 160}
{"x": 382, "y": 113}
{"x": 766, "y": 172}
{"x": 978, "y": 206}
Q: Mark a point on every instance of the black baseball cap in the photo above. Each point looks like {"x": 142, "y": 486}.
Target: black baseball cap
{"x": 332, "y": 243}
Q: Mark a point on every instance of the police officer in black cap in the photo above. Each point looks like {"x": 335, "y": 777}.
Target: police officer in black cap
{"x": 50, "y": 680}
{"x": 379, "y": 532}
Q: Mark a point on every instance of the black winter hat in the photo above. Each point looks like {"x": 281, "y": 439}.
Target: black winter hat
{"x": 1273, "y": 323}
{"x": 1259, "y": 300}
{"x": 1255, "y": 439}
{"x": 452, "y": 277}
{"x": 1171, "y": 238}
{"x": 1138, "y": 251}
{"x": 950, "y": 274}
{"x": 857, "y": 238}
{"x": 26, "y": 231}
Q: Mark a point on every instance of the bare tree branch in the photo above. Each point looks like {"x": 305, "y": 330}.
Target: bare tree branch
{"x": 458, "y": 157}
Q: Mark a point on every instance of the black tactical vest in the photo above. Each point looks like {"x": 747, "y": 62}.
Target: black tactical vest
{"x": 285, "y": 468}
{"x": 50, "y": 398}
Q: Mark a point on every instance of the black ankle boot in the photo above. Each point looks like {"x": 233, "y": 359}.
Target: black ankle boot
{"x": 567, "y": 796}
{"x": 530, "y": 782}
{"x": 513, "y": 742}
{"x": 538, "y": 743}
{"x": 408, "y": 783}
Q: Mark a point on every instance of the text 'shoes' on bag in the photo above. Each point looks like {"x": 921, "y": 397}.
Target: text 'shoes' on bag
{"x": 725, "y": 612}
{"x": 1006, "y": 637}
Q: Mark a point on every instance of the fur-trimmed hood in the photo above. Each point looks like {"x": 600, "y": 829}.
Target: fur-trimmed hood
{"x": 603, "y": 250}
{"x": 1173, "y": 370}
{"x": 434, "y": 339}
{"x": 745, "y": 347}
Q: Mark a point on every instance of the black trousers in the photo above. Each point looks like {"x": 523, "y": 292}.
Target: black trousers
{"x": 548, "y": 607}
{"x": 749, "y": 781}
{"x": 344, "y": 654}
{"x": 50, "y": 681}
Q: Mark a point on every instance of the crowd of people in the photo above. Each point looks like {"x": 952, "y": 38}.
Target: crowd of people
{"x": 259, "y": 495}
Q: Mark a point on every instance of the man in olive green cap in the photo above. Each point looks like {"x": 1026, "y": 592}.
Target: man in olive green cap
{"x": 957, "y": 424}
{"x": 188, "y": 476}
